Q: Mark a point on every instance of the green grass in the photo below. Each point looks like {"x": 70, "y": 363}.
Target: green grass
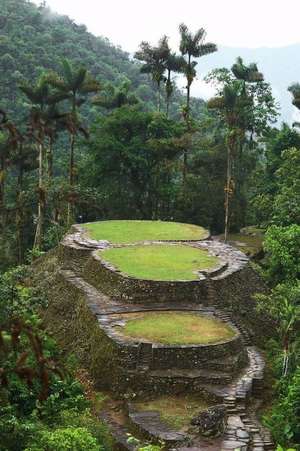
{"x": 177, "y": 411}
{"x": 160, "y": 261}
{"x": 126, "y": 232}
{"x": 176, "y": 328}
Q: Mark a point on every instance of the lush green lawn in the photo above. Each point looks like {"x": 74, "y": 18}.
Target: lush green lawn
{"x": 177, "y": 411}
{"x": 160, "y": 261}
{"x": 177, "y": 328}
{"x": 124, "y": 232}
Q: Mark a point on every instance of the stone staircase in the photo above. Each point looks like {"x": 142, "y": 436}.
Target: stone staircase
{"x": 244, "y": 432}
{"x": 247, "y": 341}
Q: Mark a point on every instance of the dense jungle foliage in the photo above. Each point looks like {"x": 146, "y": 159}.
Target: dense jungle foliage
{"x": 88, "y": 133}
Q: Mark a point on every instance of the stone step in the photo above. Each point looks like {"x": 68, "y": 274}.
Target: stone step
{"x": 151, "y": 425}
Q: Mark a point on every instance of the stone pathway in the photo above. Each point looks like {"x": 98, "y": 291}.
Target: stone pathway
{"x": 243, "y": 431}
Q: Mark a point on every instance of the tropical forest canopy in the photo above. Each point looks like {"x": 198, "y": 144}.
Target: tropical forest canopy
{"x": 88, "y": 133}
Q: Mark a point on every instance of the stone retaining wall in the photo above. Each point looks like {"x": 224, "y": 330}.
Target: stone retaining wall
{"x": 130, "y": 289}
{"x": 159, "y": 356}
{"x": 73, "y": 316}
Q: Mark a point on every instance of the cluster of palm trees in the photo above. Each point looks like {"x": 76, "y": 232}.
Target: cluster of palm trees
{"x": 55, "y": 100}
{"x": 161, "y": 62}
{"x": 236, "y": 105}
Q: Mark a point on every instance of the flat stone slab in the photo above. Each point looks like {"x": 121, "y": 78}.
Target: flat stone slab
{"x": 235, "y": 445}
{"x": 150, "y": 423}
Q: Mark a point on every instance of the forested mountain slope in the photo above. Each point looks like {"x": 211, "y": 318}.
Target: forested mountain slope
{"x": 34, "y": 39}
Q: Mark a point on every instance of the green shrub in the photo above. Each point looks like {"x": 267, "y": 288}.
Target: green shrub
{"x": 284, "y": 419}
{"x": 73, "y": 439}
{"x": 282, "y": 245}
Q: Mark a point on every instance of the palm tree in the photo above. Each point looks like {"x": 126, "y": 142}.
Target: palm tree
{"x": 173, "y": 63}
{"x": 76, "y": 84}
{"x": 154, "y": 59}
{"x": 23, "y": 159}
{"x": 235, "y": 103}
{"x": 9, "y": 141}
{"x": 193, "y": 45}
{"x": 115, "y": 97}
{"x": 249, "y": 74}
{"x": 231, "y": 104}
{"x": 42, "y": 100}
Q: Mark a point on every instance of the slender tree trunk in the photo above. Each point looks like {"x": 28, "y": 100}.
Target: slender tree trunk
{"x": 2, "y": 186}
{"x": 285, "y": 365}
{"x": 19, "y": 214}
{"x": 39, "y": 228}
{"x": 188, "y": 91}
{"x": 158, "y": 97}
{"x": 71, "y": 176}
{"x": 50, "y": 159}
{"x": 228, "y": 192}
{"x": 188, "y": 100}
{"x": 169, "y": 90}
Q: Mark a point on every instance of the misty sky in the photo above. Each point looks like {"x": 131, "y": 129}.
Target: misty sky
{"x": 235, "y": 23}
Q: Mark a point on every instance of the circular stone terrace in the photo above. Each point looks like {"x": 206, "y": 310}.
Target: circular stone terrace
{"x": 152, "y": 260}
{"x": 182, "y": 339}
{"x": 157, "y": 250}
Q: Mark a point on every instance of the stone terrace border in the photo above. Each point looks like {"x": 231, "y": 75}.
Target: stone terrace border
{"x": 163, "y": 356}
{"x": 107, "y": 278}
{"x": 130, "y": 354}
{"x": 84, "y": 237}
{"x": 231, "y": 291}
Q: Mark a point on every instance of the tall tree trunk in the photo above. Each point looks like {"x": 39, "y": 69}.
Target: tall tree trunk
{"x": 158, "y": 97}
{"x": 188, "y": 90}
{"x": 168, "y": 89}
{"x": 19, "y": 214}
{"x": 50, "y": 159}
{"x": 2, "y": 186}
{"x": 188, "y": 101}
{"x": 71, "y": 176}
{"x": 39, "y": 227}
{"x": 187, "y": 118}
{"x": 168, "y": 105}
{"x": 228, "y": 191}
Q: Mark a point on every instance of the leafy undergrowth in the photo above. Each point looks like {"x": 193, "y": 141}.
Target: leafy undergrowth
{"x": 177, "y": 328}
{"x": 125, "y": 232}
{"x": 176, "y": 411}
{"x": 44, "y": 405}
{"x": 160, "y": 262}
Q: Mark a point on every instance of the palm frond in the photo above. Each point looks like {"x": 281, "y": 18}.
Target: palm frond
{"x": 67, "y": 71}
{"x": 206, "y": 49}
{"x": 78, "y": 78}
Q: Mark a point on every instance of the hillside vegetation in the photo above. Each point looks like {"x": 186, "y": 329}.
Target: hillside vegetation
{"x": 89, "y": 135}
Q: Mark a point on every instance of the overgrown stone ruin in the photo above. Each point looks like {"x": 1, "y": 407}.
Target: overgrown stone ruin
{"x": 89, "y": 303}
